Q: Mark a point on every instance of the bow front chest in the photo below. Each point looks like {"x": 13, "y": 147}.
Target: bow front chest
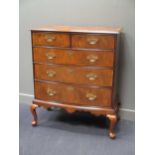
{"x": 75, "y": 68}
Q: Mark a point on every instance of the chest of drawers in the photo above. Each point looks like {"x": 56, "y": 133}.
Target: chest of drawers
{"x": 75, "y": 68}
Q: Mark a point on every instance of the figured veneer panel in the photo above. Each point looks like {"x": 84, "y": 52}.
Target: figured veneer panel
{"x": 93, "y": 41}
{"x": 76, "y": 75}
{"x": 84, "y": 96}
{"x": 50, "y": 39}
{"x": 74, "y": 57}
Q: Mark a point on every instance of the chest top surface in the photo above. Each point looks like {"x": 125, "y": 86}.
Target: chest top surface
{"x": 84, "y": 29}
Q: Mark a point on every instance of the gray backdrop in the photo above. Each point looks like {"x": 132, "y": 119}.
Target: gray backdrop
{"x": 35, "y": 13}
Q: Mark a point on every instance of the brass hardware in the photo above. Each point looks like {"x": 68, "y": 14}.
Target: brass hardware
{"x": 70, "y": 53}
{"x": 51, "y": 73}
{"x": 50, "y": 92}
{"x": 92, "y": 58}
{"x": 91, "y": 76}
{"x": 92, "y": 41}
{"x": 50, "y": 56}
{"x": 70, "y": 70}
{"x": 91, "y": 97}
{"x": 50, "y": 38}
{"x": 71, "y": 88}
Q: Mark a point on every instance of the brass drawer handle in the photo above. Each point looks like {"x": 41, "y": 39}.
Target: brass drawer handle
{"x": 50, "y": 39}
{"x": 91, "y": 97}
{"x": 51, "y": 73}
{"x": 70, "y": 53}
{"x": 70, "y": 70}
{"x": 92, "y": 58}
{"x": 92, "y": 41}
{"x": 50, "y": 56}
{"x": 51, "y": 92}
{"x": 70, "y": 88}
{"x": 91, "y": 76}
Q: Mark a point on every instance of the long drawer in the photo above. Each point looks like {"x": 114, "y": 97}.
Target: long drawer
{"x": 77, "y": 75}
{"x": 75, "y": 57}
{"x": 75, "y": 95}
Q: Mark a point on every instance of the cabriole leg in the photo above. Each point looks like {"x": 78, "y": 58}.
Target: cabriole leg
{"x": 34, "y": 114}
{"x": 113, "y": 121}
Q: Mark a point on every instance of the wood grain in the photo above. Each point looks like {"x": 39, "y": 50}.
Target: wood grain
{"x": 79, "y": 29}
{"x": 74, "y": 57}
{"x": 77, "y": 75}
{"x": 97, "y": 111}
{"x": 72, "y": 95}
{"x": 50, "y": 39}
{"x": 93, "y": 41}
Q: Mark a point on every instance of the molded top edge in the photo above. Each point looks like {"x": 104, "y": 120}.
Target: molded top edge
{"x": 82, "y": 29}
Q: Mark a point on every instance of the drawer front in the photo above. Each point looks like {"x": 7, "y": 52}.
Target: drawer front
{"x": 83, "y": 58}
{"x": 77, "y": 75}
{"x": 50, "y": 39}
{"x": 73, "y": 95}
{"x": 93, "y": 41}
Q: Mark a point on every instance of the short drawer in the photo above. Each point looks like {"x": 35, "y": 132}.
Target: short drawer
{"x": 76, "y": 75}
{"x": 93, "y": 41}
{"x": 50, "y": 39}
{"x": 75, "y": 57}
{"x": 70, "y": 94}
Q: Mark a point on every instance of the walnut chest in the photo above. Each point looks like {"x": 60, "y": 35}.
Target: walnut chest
{"x": 75, "y": 68}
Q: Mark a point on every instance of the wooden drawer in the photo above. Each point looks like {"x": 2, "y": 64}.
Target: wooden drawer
{"x": 77, "y": 75}
{"x": 69, "y": 94}
{"x": 76, "y": 57}
{"x": 50, "y": 39}
{"x": 93, "y": 41}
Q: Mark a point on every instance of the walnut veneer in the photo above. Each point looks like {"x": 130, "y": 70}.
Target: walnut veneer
{"x": 75, "y": 68}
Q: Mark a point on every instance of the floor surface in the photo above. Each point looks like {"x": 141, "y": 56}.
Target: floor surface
{"x": 60, "y": 133}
